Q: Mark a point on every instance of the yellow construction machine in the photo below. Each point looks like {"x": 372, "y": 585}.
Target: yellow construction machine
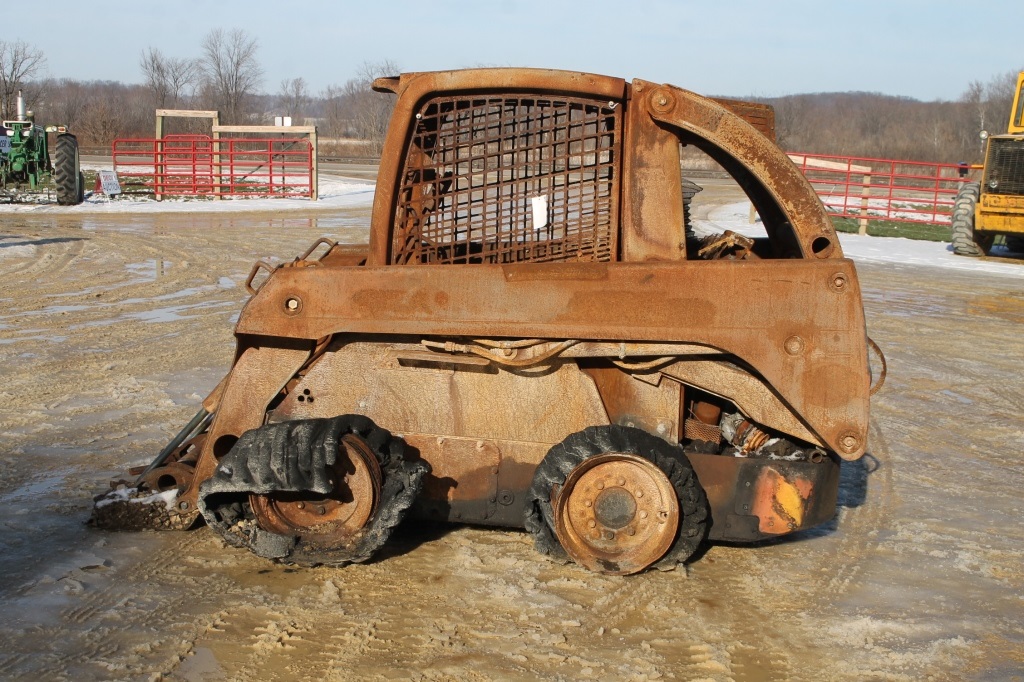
{"x": 994, "y": 206}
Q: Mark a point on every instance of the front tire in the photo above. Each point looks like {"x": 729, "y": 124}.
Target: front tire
{"x": 312, "y": 491}
{"x": 67, "y": 171}
{"x": 965, "y": 241}
{"x": 655, "y": 514}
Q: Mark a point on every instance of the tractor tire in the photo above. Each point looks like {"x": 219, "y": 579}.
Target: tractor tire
{"x": 965, "y": 242}
{"x": 67, "y": 171}
{"x": 261, "y": 495}
{"x": 566, "y": 457}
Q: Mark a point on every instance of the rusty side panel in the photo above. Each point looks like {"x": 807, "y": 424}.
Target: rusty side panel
{"x": 807, "y": 340}
{"x": 652, "y": 203}
{"x": 754, "y": 499}
{"x": 482, "y": 429}
{"x": 780, "y": 192}
{"x": 647, "y": 404}
{"x": 259, "y": 373}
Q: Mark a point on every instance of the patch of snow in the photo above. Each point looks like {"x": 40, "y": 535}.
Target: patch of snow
{"x": 333, "y": 193}
{"x": 736, "y": 217}
{"x": 168, "y": 497}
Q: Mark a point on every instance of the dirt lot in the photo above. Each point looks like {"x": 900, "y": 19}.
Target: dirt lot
{"x": 113, "y": 328}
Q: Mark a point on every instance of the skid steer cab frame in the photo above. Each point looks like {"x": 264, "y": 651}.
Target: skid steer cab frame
{"x": 535, "y": 337}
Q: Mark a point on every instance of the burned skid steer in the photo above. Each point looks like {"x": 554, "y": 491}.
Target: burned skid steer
{"x": 535, "y": 338}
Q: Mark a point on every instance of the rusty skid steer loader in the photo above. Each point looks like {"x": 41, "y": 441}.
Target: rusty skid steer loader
{"x": 535, "y": 338}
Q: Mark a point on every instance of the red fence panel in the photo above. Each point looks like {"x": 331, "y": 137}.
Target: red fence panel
{"x": 883, "y": 189}
{"x": 197, "y": 165}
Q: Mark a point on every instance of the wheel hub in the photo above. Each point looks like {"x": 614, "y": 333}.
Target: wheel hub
{"x": 333, "y": 518}
{"x": 617, "y": 513}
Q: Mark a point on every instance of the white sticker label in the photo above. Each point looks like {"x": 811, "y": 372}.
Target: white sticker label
{"x": 540, "y": 212}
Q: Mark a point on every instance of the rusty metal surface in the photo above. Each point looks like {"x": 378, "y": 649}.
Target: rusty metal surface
{"x": 811, "y": 343}
{"x": 780, "y": 192}
{"x": 616, "y": 513}
{"x": 754, "y": 499}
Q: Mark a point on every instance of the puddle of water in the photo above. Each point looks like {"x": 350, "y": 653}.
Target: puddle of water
{"x": 957, "y": 397}
{"x": 149, "y": 270}
{"x": 165, "y": 314}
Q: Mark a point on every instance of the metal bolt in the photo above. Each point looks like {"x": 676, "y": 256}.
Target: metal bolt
{"x": 321, "y": 510}
{"x": 839, "y": 282}
{"x": 643, "y": 515}
{"x": 292, "y": 304}
{"x": 609, "y": 535}
{"x": 183, "y": 505}
{"x": 794, "y": 345}
{"x": 631, "y": 531}
{"x": 301, "y": 505}
{"x": 600, "y": 485}
{"x": 849, "y": 442}
{"x": 620, "y": 480}
{"x": 639, "y": 493}
{"x": 588, "y": 503}
{"x": 591, "y": 523}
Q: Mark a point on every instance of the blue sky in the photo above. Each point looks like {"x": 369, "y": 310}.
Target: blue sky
{"x": 923, "y": 49}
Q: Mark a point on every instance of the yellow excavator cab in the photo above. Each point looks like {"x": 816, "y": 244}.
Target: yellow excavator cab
{"x": 1016, "y": 125}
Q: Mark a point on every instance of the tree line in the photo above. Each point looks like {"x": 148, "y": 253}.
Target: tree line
{"x": 226, "y": 75}
{"x": 883, "y": 126}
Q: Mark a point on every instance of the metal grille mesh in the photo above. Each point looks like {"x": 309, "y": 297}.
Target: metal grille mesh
{"x": 499, "y": 179}
{"x": 1005, "y": 166}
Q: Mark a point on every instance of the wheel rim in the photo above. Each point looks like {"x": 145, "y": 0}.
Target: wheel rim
{"x": 333, "y": 518}
{"x": 616, "y": 513}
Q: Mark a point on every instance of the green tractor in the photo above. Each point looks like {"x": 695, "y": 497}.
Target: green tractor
{"x": 25, "y": 157}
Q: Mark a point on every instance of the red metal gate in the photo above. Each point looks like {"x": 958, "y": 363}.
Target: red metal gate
{"x": 198, "y": 165}
{"x": 883, "y": 189}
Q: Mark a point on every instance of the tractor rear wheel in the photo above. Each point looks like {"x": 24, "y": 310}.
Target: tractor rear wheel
{"x": 617, "y": 500}
{"x": 965, "y": 241}
{"x": 313, "y": 491}
{"x": 67, "y": 171}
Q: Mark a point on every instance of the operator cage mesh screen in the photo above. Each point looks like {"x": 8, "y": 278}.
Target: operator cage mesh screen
{"x": 507, "y": 179}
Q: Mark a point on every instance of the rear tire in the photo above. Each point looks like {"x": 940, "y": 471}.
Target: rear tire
{"x": 67, "y": 171}
{"x": 565, "y": 458}
{"x": 965, "y": 242}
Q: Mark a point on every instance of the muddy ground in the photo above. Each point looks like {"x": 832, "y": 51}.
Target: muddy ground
{"x": 113, "y": 328}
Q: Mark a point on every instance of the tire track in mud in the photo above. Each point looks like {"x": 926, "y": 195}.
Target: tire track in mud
{"x": 107, "y": 629}
{"x": 60, "y": 253}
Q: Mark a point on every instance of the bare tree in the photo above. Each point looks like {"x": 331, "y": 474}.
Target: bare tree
{"x": 294, "y": 98}
{"x": 171, "y": 80}
{"x": 333, "y": 107}
{"x": 231, "y": 71}
{"x": 19, "y": 63}
{"x": 369, "y": 111}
